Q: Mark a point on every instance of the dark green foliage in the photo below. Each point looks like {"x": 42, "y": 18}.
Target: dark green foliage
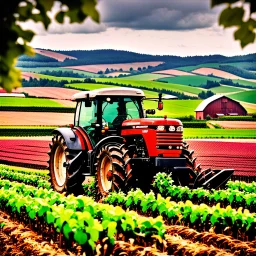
{"x": 186, "y": 118}
{"x": 37, "y": 57}
{"x": 61, "y": 73}
{"x": 233, "y": 16}
{"x": 210, "y": 84}
{"x": 205, "y": 95}
{"x": 230, "y": 82}
{"x": 45, "y": 82}
{"x": 208, "y": 117}
{"x": 14, "y": 12}
{"x": 238, "y": 71}
{"x": 236, "y": 118}
{"x": 194, "y": 124}
{"x": 23, "y": 132}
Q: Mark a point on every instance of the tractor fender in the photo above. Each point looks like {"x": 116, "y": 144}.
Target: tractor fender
{"x": 112, "y": 139}
{"x": 71, "y": 138}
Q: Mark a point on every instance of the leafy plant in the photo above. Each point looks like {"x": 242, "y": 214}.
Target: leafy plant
{"x": 234, "y": 16}
{"x": 16, "y": 38}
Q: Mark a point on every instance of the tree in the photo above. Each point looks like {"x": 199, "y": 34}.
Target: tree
{"x": 234, "y": 16}
{"x": 14, "y": 39}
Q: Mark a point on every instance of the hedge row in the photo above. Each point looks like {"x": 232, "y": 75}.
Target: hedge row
{"x": 195, "y": 124}
{"x": 26, "y": 132}
{"x": 38, "y": 109}
{"x": 237, "y": 118}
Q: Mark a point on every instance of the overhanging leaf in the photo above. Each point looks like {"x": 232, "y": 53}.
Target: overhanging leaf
{"x": 231, "y": 17}
{"x": 217, "y": 2}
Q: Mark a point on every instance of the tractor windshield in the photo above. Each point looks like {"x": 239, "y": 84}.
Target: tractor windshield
{"x": 117, "y": 109}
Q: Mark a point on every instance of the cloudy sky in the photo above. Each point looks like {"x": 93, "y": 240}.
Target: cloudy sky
{"x": 173, "y": 27}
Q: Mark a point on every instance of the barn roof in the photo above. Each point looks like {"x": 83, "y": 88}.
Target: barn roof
{"x": 207, "y": 101}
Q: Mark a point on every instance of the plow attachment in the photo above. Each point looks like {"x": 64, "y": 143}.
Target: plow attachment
{"x": 208, "y": 179}
{"x": 213, "y": 179}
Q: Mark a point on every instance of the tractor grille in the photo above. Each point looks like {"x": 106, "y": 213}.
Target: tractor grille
{"x": 166, "y": 139}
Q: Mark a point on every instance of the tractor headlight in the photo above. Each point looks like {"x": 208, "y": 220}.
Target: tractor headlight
{"x": 172, "y": 128}
{"x": 179, "y": 129}
{"x": 160, "y": 128}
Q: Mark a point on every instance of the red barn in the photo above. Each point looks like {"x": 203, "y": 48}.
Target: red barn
{"x": 219, "y": 105}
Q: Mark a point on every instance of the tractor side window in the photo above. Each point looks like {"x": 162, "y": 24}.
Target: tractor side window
{"x": 87, "y": 115}
{"x": 77, "y": 113}
{"x": 132, "y": 110}
{"x": 109, "y": 111}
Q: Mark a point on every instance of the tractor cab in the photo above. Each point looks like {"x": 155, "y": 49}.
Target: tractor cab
{"x": 101, "y": 112}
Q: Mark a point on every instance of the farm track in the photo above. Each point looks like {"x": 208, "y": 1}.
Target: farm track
{"x": 211, "y": 154}
{"x": 218, "y": 240}
{"x": 18, "y": 240}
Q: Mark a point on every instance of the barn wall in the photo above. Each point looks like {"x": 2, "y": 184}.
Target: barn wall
{"x": 200, "y": 115}
{"x": 223, "y": 106}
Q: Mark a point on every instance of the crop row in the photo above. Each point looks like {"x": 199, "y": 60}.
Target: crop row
{"x": 30, "y": 179}
{"x": 242, "y": 186}
{"x": 237, "y": 223}
{"x": 38, "y": 204}
{"x": 79, "y": 219}
{"x": 163, "y": 185}
{"x": 16, "y": 132}
{"x": 42, "y": 174}
{"x": 147, "y": 203}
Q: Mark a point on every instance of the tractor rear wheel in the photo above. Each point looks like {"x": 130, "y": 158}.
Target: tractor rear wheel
{"x": 59, "y": 172}
{"x": 110, "y": 169}
{"x": 58, "y": 156}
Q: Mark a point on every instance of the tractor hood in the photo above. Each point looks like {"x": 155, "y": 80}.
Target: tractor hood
{"x": 151, "y": 122}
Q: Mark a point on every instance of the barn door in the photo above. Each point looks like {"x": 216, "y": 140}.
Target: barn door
{"x": 224, "y": 106}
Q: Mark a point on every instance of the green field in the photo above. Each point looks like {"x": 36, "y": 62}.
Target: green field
{"x": 43, "y": 69}
{"x": 174, "y": 108}
{"x": 145, "y": 77}
{"x": 218, "y": 133}
{"x": 55, "y": 78}
{"x": 88, "y": 86}
{"x": 28, "y": 102}
{"x": 244, "y": 82}
{"x": 225, "y": 89}
{"x": 205, "y": 65}
{"x": 247, "y": 96}
{"x": 244, "y": 65}
{"x": 153, "y": 84}
{"x": 189, "y": 80}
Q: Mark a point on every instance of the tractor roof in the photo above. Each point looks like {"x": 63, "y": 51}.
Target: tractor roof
{"x": 119, "y": 91}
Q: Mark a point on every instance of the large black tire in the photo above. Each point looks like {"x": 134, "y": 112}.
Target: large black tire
{"x": 59, "y": 172}
{"x": 111, "y": 164}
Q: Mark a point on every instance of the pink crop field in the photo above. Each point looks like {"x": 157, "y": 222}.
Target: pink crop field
{"x": 211, "y": 154}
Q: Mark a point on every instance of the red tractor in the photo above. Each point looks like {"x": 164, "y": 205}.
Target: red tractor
{"x": 113, "y": 140}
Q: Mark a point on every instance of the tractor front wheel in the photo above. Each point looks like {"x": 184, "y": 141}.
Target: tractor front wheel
{"x": 110, "y": 169}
